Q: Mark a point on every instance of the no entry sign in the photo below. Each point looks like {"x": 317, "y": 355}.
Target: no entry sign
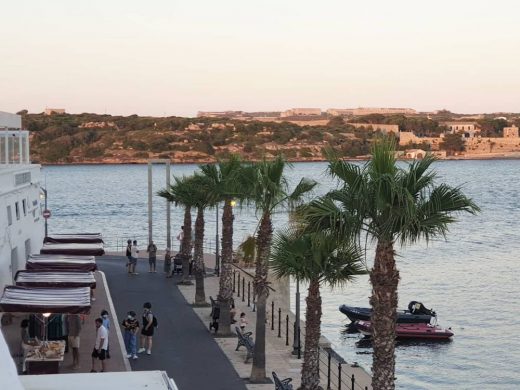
{"x": 46, "y": 214}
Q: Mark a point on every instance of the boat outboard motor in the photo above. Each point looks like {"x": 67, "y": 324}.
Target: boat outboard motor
{"x": 416, "y": 307}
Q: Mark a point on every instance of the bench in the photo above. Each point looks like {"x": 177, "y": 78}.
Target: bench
{"x": 215, "y": 314}
{"x": 244, "y": 339}
{"x": 282, "y": 384}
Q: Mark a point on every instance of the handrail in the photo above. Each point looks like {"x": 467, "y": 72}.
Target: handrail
{"x": 250, "y": 275}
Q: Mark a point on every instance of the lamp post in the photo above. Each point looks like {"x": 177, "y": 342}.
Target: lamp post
{"x": 296, "y": 338}
{"x": 217, "y": 246}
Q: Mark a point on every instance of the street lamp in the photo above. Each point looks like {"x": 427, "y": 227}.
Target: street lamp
{"x": 296, "y": 338}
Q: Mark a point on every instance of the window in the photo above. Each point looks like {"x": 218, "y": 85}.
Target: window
{"x": 17, "y": 210}
{"x": 24, "y": 207}
{"x": 9, "y": 216}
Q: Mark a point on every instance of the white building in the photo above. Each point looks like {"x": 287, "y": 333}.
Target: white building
{"x": 21, "y": 221}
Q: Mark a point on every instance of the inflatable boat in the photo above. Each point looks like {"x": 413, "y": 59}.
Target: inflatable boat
{"x": 416, "y": 313}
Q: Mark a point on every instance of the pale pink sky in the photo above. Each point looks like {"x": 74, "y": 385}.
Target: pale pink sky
{"x": 174, "y": 58}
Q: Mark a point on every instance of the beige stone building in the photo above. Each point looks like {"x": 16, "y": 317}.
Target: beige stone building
{"x": 50, "y": 111}
{"x": 511, "y": 132}
{"x": 301, "y": 112}
{"x": 384, "y": 128}
{"x": 468, "y": 129}
{"x": 370, "y": 110}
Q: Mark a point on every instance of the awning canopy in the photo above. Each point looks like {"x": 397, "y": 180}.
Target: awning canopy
{"x": 61, "y": 263}
{"x": 74, "y": 238}
{"x": 17, "y": 299}
{"x": 37, "y": 278}
{"x": 82, "y": 249}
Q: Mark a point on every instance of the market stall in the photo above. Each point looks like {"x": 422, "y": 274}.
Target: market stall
{"x": 81, "y": 249}
{"x": 55, "y": 278}
{"x": 61, "y": 263}
{"x": 74, "y": 238}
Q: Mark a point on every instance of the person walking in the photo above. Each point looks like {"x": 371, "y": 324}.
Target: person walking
{"x": 74, "y": 326}
{"x": 134, "y": 255}
{"x": 147, "y": 331}
{"x": 168, "y": 263}
{"x": 131, "y": 326}
{"x": 152, "y": 256}
{"x": 101, "y": 345}
{"x": 106, "y": 324}
{"x": 129, "y": 255}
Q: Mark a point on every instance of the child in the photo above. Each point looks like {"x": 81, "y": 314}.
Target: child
{"x": 243, "y": 321}
{"x": 131, "y": 325}
{"x": 106, "y": 324}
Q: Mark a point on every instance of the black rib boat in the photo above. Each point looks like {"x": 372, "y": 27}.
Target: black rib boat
{"x": 416, "y": 313}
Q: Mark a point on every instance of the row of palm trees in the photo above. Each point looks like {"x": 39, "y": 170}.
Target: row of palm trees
{"x": 377, "y": 202}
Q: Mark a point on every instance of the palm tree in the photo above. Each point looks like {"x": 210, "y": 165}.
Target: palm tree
{"x": 226, "y": 185}
{"x": 180, "y": 193}
{"x": 392, "y": 206}
{"x": 201, "y": 198}
{"x": 317, "y": 258}
{"x": 269, "y": 191}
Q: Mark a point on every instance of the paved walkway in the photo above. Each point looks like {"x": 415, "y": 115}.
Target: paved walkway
{"x": 182, "y": 345}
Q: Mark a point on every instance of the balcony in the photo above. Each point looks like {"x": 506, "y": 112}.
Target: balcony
{"x": 14, "y": 148}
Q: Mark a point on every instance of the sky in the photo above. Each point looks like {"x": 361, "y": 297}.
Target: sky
{"x": 174, "y": 57}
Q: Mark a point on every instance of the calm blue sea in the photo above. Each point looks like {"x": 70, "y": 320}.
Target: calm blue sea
{"x": 471, "y": 279}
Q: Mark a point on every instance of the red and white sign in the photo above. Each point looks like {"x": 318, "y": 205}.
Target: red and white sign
{"x": 46, "y": 214}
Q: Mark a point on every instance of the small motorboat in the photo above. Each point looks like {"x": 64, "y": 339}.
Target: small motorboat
{"x": 416, "y": 313}
{"x": 411, "y": 331}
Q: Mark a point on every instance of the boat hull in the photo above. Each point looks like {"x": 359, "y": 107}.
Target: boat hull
{"x": 411, "y": 331}
{"x": 364, "y": 314}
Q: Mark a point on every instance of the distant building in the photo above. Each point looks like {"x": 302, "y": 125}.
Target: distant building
{"x": 468, "y": 129}
{"x": 384, "y": 128}
{"x": 301, "y": 112}
{"x": 50, "y": 111}
{"x": 219, "y": 114}
{"x": 511, "y": 132}
{"x": 370, "y": 110}
{"x": 415, "y": 154}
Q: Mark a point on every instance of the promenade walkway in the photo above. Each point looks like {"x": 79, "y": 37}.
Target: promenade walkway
{"x": 181, "y": 346}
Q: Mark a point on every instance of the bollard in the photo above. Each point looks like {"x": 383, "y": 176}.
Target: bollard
{"x": 287, "y": 330}
{"x": 234, "y": 277}
{"x": 339, "y": 376}
{"x": 279, "y": 322}
{"x": 248, "y": 294}
{"x": 352, "y": 381}
{"x": 243, "y": 288}
{"x": 328, "y": 371}
{"x": 238, "y": 289}
{"x": 272, "y": 315}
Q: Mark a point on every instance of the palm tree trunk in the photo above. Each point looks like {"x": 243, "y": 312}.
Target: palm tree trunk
{"x": 186, "y": 246}
{"x": 200, "y": 294}
{"x": 384, "y": 278}
{"x": 311, "y": 355}
{"x": 225, "y": 294}
{"x": 265, "y": 235}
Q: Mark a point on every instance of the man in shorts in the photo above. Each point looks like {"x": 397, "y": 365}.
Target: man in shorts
{"x": 152, "y": 256}
{"x": 147, "y": 329}
{"x": 100, "y": 348}
{"x": 74, "y": 327}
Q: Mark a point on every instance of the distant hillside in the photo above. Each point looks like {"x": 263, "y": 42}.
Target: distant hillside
{"x": 93, "y": 138}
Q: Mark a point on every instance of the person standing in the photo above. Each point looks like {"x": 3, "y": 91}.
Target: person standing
{"x": 74, "y": 326}
{"x": 147, "y": 331}
{"x": 106, "y": 324}
{"x": 180, "y": 238}
{"x": 168, "y": 263}
{"x": 101, "y": 345}
{"x": 131, "y": 326}
{"x": 129, "y": 255}
{"x": 152, "y": 256}
{"x": 134, "y": 256}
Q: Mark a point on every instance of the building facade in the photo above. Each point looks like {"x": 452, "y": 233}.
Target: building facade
{"x": 301, "y": 112}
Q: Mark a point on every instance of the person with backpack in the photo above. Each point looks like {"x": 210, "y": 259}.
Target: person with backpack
{"x": 147, "y": 331}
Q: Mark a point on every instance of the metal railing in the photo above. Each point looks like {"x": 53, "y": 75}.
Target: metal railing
{"x": 281, "y": 323}
{"x": 118, "y": 243}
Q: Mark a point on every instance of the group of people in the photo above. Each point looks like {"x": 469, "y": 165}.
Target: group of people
{"x": 131, "y": 329}
{"x": 132, "y": 254}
